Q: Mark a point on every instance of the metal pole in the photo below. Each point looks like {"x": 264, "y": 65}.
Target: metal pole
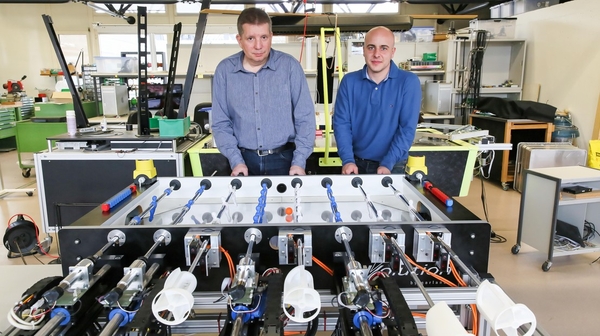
{"x": 112, "y": 326}
{"x": 49, "y": 327}
{"x": 412, "y": 211}
{"x": 226, "y": 201}
{"x": 110, "y": 243}
{"x": 365, "y": 328}
{"x": 250, "y": 246}
{"x": 101, "y": 272}
{"x": 198, "y": 255}
{"x": 347, "y": 246}
{"x": 150, "y": 273}
{"x": 412, "y": 272}
{"x": 369, "y": 203}
{"x": 156, "y": 244}
{"x": 237, "y": 326}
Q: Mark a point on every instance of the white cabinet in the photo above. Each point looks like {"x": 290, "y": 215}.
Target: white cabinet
{"x": 503, "y": 61}
{"x": 543, "y": 203}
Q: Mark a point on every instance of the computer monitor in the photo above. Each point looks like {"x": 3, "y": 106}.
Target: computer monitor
{"x": 157, "y": 94}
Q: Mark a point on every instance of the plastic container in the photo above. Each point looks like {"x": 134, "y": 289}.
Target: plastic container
{"x": 71, "y": 123}
{"x": 495, "y": 12}
{"x": 174, "y": 127}
{"x": 299, "y": 292}
{"x": 116, "y": 64}
{"x": 564, "y": 130}
{"x": 498, "y": 28}
{"x": 501, "y": 312}
{"x": 507, "y": 9}
{"x": 154, "y": 122}
{"x": 176, "y": 298}
{"x": 441, "y": 321}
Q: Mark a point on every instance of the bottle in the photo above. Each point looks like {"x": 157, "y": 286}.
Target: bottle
{"x": 104, "y": 125}
{"x": 71, "y": 123}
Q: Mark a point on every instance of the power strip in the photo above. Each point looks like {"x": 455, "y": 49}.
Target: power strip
{"x": 87, "y": 130}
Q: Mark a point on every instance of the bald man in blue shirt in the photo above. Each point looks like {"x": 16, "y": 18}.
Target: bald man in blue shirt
{"x": 376, "y": 111}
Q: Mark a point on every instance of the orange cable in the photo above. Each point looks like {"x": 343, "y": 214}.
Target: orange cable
{"x": 421, "y": 315}
{"x": 322, "y": 265}
{"x": 473, "y": 306}
{"x": 229, "y": 261}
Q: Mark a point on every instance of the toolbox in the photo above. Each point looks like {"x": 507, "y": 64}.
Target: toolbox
{"x": 545, "y": 154}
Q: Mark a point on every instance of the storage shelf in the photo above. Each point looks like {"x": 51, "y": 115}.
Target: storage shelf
{"x": 573, "y": 201}
{"x": 428, "y": 72}
{"x": 596, "y": 241}
{"x": 128, "y": 75}
{"x": 500, "y": 90}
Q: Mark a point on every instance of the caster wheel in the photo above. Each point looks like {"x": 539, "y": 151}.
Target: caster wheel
{"x": 546, "y": 266}
{"x": 515, "y": 249}
{"x": 504, "y": 186}
{"x": 29, "y": 193}
{"x": 26, "y": 172}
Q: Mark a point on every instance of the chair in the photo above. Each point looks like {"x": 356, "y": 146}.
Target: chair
{"x": 202, "y": 117}
{"x": 132, "y": 118}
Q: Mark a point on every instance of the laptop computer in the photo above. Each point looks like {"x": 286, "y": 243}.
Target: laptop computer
{"x": 569, "y": 231}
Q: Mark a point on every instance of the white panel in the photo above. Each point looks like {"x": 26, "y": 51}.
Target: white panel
{"x": 539, "y": 193}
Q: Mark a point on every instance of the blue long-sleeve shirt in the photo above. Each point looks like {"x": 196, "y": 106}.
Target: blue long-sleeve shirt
{"x": 377, "y": 121}
{"x": 262, "y": 110}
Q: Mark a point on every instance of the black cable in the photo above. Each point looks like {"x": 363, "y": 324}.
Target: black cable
{"x": 494, "y": 237}
{"x": 474, "y": 83}
{"x": 338, "y": 327}
{"x": 589, "y": 230}
{"x": 313, "y": 326}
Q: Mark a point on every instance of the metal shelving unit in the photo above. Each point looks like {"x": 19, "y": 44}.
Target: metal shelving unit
{"x": 543, "y": 190}
{"x": 504, "y": 59}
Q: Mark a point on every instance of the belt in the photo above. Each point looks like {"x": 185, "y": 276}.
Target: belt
{"x": 356, "y": 158}
{"x": 265, "y": 152}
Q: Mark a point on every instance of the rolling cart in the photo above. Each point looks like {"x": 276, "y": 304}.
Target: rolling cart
{"x": 31, "y": 138}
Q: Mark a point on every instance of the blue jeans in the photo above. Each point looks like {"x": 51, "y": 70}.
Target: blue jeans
{"x": 370, "y": 166}
{"x": 274, "y": 164}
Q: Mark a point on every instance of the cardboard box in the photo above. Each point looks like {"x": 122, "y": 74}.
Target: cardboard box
{"x": 62, "y": 97}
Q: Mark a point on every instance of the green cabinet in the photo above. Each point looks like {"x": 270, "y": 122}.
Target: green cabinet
{"x": 8, "y": 120}
{"x": 31, "y": 138}
{"x": 57, "y": 110}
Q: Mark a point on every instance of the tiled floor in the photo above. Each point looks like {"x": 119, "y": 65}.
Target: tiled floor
{"x": 565, "y": 299}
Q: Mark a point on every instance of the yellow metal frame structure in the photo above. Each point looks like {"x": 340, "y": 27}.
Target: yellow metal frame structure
{"x": 327, "y": 161}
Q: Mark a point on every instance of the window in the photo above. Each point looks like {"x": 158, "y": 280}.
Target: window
{"x": 113, "y": 45}
{"x": 222, "y": 39}
{"x": 276, "y": 8}
{"x": 154, "y": 9}
{"x": 194, "y": 8}
{"x": 382, "y": 8}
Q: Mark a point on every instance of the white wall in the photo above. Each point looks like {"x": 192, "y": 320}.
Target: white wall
{"x": 563, "y": 56}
